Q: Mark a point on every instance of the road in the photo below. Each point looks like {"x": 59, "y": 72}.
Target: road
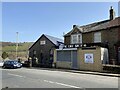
{"x": 38, "y": 78}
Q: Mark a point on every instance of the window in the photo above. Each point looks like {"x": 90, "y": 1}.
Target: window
{"x": 97, "y": 37}
{"x": 76, "y": 39}
{"x": 42, "y": 42}
{"x": 34, "y": 52}
{"x": 80, "y": 38}
{"x": 51, "y": 51}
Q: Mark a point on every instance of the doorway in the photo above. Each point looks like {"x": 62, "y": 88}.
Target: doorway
{"x": 119, "y": 55}
{"x": 74, "y": 59}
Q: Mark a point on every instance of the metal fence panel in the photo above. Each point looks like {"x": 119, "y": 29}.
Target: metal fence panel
{"x": 64, "y": 56}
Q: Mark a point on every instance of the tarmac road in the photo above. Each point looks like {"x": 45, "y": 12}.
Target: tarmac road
{"x": 38, "y": 78}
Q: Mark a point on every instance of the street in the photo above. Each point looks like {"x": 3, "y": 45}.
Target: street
{"x": 38, "y": 78}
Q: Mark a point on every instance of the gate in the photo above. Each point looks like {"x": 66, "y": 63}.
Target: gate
{"x": 74, "y": 59}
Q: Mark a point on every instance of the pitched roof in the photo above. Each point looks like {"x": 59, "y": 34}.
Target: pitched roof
{"x": 102, "y": 25}
{"x": 109, "y": 24}
{"x": 54, "y": 40}
{"x": 78, "y": 27}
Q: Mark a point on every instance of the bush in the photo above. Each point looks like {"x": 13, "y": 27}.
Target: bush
{"x": 4, "y": 55}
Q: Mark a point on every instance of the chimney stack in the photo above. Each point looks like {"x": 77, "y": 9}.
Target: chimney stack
{"x": 74, "y": 26}
{"x": 112, "y": 13}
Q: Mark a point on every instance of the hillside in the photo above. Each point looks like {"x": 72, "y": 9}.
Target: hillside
{"x": 10, "y": 48}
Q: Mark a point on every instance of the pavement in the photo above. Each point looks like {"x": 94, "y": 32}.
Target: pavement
{"x": 79, "y": 71}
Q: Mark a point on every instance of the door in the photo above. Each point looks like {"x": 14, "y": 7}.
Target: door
{"x": 74, "y": 59}
{"x": 51, "y": 57}
{"x": 119, "y": 55}
{"x": 41, "y": 59}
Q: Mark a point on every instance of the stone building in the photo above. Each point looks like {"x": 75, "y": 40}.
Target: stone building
{"x": 104, "y": 33}
{"x": 42, "y": 50}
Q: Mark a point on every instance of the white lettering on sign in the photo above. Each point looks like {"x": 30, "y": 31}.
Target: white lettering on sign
{"x": 89, "y": 58}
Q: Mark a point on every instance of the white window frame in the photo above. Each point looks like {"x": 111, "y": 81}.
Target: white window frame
{"x": 97, "y": 37}
{"x": 77, "y": 41}
{"x": 73, "y": 40}
{"x": 43, "y": 42}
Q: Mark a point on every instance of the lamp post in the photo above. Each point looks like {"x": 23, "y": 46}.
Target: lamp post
{"x": 17, "y": 45}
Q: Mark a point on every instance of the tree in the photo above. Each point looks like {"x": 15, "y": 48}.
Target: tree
{"x": 4, "y": 55}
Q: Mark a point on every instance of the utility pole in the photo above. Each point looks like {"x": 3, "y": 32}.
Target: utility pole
{"x": 17, "y": 45}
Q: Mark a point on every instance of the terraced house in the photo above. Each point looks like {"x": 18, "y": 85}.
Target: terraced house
{"x": 105, "y": 33}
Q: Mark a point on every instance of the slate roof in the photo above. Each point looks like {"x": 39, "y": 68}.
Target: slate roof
{"x": 102, "y": 25}
{"x": 54, "y": 40}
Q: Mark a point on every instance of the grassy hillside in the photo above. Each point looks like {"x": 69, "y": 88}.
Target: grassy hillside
{"x": 10, "y": 48}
